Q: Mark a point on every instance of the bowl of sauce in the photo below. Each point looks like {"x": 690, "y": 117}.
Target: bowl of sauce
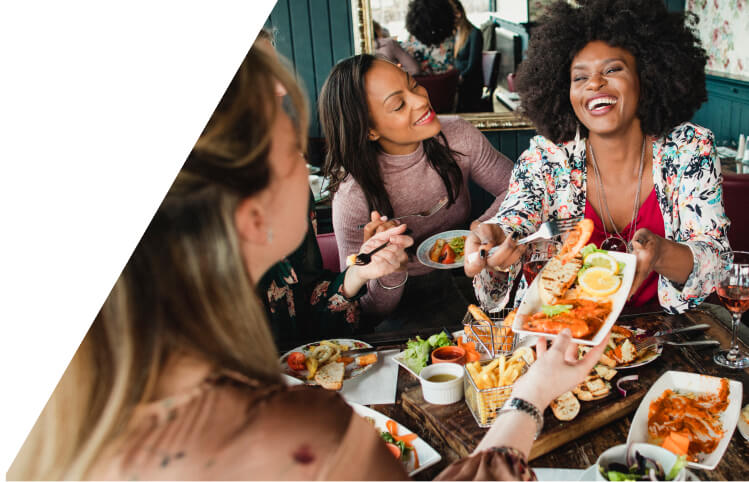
{"x": 449, "y": 354}
{"x": 442, "y": 383}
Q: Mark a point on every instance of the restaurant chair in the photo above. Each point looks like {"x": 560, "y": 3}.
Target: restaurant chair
{"x": 490, "y": 68}
{"x": 735, "y": 201}
{"x": 442, "y": 89}
{"x": 329, "y": 251}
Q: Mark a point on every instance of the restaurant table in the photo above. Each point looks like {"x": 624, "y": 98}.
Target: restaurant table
{"x": 453, "y": 432}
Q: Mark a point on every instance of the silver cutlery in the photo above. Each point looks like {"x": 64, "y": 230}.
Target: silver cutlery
{"x": 661, "y": 335}
{"x": 373, "y": 349}
{"x": 422, "y": 214}
{"x": 547, "y": 230}
{"x": 658, "y": 341}
{"x": 366, "y": 258}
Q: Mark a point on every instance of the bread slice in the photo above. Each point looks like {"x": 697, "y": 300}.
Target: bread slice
{"x": 556, "y": 278}
{"x": 565, "y": 407}
{"x": 330, "y": 376}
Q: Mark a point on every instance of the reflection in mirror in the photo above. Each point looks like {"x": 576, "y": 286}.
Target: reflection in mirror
{"x": 502, "y": 27}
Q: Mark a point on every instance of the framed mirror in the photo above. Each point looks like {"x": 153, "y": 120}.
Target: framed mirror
{"x": 509, "y": 40}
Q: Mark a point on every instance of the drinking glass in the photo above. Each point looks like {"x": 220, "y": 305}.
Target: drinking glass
{"x": 536, "y": 255}
{"x": 733, "y": 292}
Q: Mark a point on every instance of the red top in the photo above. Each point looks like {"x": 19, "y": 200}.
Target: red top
{"x": 649, "y": 217}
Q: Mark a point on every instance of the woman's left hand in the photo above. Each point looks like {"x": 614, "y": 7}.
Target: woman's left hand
{"x": 646, "y": 246}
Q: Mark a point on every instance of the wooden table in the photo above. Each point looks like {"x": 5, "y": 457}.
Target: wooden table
{"x": 453, "y": 432}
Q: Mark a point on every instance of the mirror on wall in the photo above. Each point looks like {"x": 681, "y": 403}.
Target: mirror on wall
{"x": 504, "y": 30}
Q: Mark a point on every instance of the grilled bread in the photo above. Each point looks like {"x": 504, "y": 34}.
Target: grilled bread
{"x": 556, "y": 278}
{"x": 330, "y": 376}
{"x": 565, "y": 407}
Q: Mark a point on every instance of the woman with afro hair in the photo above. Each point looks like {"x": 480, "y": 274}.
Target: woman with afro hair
{"x": 610, "y": 87}
{"x": 431, "y": 24}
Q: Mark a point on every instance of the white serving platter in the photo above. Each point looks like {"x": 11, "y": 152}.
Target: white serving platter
{"x": 695, "y": 383}
{"x": 427, "y": 455}
{"x": 532, "y": 302}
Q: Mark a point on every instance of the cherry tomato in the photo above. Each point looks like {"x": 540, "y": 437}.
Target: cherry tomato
{"x": 296, "y": 361}
{"x": 447, "y": 255}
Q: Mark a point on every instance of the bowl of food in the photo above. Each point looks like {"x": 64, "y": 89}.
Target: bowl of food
{"x": 449, "y": 354}
{"x": 640, "y": 461}
{"x": 442, "y": 383}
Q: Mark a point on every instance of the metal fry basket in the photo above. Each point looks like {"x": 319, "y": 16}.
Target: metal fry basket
{"x": 494, "y": 339}
{"x": 484, "y": 403}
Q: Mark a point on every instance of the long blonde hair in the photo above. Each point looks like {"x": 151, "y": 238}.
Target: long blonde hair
{"x": 463, "y": 26}
{"x": 185, "y": 290}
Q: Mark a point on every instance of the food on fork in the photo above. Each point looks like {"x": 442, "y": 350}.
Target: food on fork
{"x": 576, "y": 239}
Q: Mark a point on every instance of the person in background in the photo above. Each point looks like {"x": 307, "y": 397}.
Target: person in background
{"x": 178, "y": 376}
{"x": 431, "y": 41}
{"x": 611, "y": 86}
{"x": 468, "y": 47}
{"x": 389, "y": 152}
{"x": 306, "y": 302}
{"x": 389, "y": 49}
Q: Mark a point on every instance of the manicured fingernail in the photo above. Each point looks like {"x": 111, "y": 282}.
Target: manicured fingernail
{"x": 515, "y": 235}
{"x": 482, "y": 253}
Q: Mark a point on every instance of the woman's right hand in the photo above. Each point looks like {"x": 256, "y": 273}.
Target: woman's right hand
{"x": 377, "y": 224}
{"x": 556, "y": 370}
{"x": 484, "y": 237}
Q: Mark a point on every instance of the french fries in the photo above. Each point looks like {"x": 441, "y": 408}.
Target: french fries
{"x": 493, "y": 381}
{"x": 483, "y": 329}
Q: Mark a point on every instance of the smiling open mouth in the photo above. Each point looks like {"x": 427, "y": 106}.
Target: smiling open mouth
{"x": 600, "y": 103}
{"x": 426, "y": 118}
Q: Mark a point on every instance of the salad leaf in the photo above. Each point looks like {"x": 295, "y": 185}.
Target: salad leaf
{"x": 416, "y": 355}
{"x": 680, "y": 463}
{"x": 457, "y": 245}
{"x": 591, "y": 248}
{"x": 553, "y": 310}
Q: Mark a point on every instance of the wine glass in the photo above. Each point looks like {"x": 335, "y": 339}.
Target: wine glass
{"x": 536, "y": 255}
{"x": 733, "y": 292}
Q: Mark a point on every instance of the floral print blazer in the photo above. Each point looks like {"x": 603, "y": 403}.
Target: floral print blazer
{"x": 549, "y": 180}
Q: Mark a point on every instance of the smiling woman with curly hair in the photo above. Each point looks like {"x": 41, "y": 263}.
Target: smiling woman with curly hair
{"x": 431, "y": 25}
{"x": 611, "y": 87}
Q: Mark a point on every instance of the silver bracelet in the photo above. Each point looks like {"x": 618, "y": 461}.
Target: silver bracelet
{"x": 515, "y": 403}
{"x": 393, "y": 287}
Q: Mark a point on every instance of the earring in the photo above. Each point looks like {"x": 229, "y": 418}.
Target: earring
{"x": 270, "y": 235}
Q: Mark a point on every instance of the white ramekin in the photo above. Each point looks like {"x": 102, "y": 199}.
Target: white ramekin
{"x": 442, "y": 393}
{"x": 618, "y": 453}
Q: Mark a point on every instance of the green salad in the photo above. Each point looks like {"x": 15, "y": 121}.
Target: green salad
{"x": 417, "y": 351}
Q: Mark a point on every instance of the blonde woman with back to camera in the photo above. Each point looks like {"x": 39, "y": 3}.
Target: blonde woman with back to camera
{"x": 179, "y": 379}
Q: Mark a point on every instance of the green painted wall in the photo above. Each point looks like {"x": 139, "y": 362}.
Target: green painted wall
{"x": 313, "y": 35}
{"x": 726, "y": 111}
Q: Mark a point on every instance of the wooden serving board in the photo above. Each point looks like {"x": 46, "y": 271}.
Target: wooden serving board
{"x": 455, "y": 426}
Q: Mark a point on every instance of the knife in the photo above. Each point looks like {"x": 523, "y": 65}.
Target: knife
{"x": 359, "y": 351}
{"x": 701, "y": 326}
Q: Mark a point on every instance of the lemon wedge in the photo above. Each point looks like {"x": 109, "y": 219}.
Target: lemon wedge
{"x": 602, "y": 260}
{"x": 598, "y": 281}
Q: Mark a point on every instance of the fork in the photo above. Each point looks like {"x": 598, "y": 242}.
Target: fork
{"x": 423, "y": 214}
{"x": 646, "y": 340}
{"x": 363, "y": 259}
{"x": 656, "y": 341}
{"x": 547, "y": 230}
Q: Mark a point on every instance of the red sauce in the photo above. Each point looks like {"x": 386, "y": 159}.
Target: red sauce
{"x": 696, "y": 416}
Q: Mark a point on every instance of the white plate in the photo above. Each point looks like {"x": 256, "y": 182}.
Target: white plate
{"x": 352, "y": 369}
{"x": 590, "y": 474}
{"x": 532, "y": 302}
{"x": 690, "y": 382}
{"x": 427, "y": 455}
{"x": 398, "y": 357}
{"x": 743, "y": 427}
{"x": 422, "y": 253}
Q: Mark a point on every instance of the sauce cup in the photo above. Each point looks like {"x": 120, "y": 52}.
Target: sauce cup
{"x": 449, "y": 354}
{"x": 447, "y": 391}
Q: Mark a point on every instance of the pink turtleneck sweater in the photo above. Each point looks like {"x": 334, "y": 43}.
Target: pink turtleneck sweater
{"x": 413, "y": 186}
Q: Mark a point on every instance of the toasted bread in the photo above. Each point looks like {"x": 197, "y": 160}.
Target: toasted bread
{"x": 605, "y": 372}
{"x": 556, "y": 278}
{"x": 330, "y": 376}
{"x": 565, "y": 407}
{"x": 592, "y": 388}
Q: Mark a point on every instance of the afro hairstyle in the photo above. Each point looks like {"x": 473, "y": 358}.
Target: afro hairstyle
{"x": 670, "y": 62}
{"x": 430, "y": 21}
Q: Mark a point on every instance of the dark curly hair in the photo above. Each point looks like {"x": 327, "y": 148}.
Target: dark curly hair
{"x": 430, "y": 21}
{"x": 670, "y": 62}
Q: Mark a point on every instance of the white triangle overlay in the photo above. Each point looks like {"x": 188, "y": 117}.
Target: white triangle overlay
{"x": 100, "y": 102}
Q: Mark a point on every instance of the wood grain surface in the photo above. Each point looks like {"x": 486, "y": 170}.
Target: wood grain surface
{"x": 452, "y": 430}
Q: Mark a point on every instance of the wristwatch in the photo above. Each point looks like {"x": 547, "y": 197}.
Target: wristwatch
{"x": 515, "y": 403}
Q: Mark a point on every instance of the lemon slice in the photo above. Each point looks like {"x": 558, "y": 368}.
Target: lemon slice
{"x": 598, "y": 281}
{"x": 602, "y": 260}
